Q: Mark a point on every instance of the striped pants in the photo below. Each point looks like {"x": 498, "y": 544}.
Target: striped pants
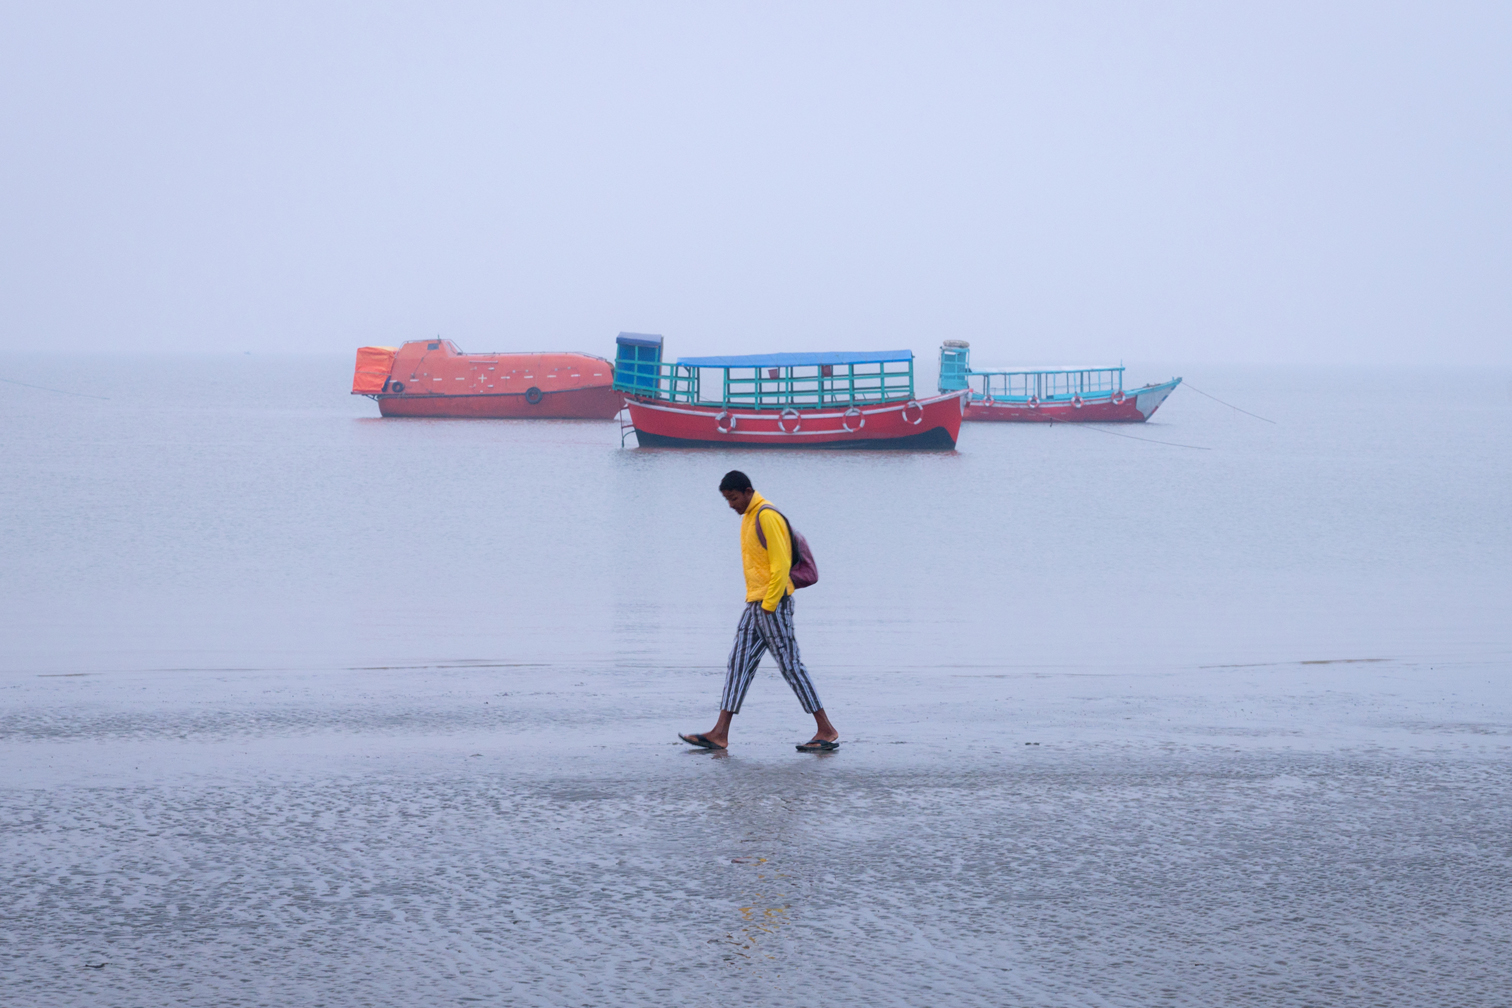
{"x": 759, "y": 631}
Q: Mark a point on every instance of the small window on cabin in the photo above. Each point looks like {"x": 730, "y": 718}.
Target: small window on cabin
{"x": 433, "y": 346}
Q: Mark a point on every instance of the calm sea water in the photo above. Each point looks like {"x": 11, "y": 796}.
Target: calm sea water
{"x": 244, "y": 512}
{"x": 305, "y": 706}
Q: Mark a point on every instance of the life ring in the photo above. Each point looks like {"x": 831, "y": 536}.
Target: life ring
{"x": 1034, "y": 402}
{"x": 792, "y": 414}
{"x": 719, "y": 422}
{"x": 398, "y": 386}
{"x": 912, "y": 404}
{"x": 1118, "y": 397}
{"x": 534, "y": 395}
{"x": 1076, "y": 401}
{"x": 988, "y": 400}
{"x": 845, "y": 419}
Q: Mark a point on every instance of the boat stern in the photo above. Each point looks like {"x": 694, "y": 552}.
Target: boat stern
{"x": 374, "y": 365}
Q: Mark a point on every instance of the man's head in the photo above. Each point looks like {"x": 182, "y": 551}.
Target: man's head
{"x": 737, "y": 490}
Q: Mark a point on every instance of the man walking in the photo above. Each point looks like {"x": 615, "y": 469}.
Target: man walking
{"x": 767, "y": 623}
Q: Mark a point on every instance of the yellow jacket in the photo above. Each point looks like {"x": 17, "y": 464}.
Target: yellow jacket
{"x": 766, "y": 570}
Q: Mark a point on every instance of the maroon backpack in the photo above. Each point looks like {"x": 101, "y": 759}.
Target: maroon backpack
{"x": 803, "y": 570}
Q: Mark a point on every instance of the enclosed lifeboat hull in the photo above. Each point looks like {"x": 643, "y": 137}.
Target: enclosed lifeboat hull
{"x": 432, "y": 378}
{"x": 933, "y": 423}
{"x": 1130, "y": 406}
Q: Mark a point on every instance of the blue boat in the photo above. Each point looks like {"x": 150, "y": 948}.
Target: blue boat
{"x": 1074, "y": 394}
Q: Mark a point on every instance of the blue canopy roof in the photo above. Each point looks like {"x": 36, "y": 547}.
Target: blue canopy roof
{"x": 799, "y": 359}
{"x": 1065, "y": 369}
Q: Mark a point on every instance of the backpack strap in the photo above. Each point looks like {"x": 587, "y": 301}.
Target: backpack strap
{"x": 761, "y": 536}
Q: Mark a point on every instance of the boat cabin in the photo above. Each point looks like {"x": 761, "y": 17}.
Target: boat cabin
{"x": 763, "y": 381}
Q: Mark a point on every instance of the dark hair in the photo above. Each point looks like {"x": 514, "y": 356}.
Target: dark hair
{"x": 735, "y": 480}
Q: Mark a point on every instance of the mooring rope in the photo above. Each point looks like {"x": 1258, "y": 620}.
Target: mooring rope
{"x": 1215, "y": 399}
{"x": 1132, "y": 437}
{"x": 44, "y": 388}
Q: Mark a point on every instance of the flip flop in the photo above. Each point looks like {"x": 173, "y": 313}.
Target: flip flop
{"x": 700, "y": 740}
{"x": 818, "y": 745}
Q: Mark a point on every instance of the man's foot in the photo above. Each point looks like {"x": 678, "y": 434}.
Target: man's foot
{"x": 701, "y": 740}
{"x": 819, "y": 745}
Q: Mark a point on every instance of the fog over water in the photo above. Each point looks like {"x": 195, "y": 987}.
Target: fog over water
{"x": 1276, "y": 182}
{"x": 301, "y": 706}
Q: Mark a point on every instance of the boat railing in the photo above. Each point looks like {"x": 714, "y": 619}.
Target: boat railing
{"x": 672, "y": 382}
{"x": 763, "y": 381}
{"x": 815, "y": 385}
{"x": 1046, "y": 385}
{"x": 794, "y": 387}
{"x": 1024, "y": 384}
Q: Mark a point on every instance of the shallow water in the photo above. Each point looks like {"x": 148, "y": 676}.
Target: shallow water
{"x": 307, "y": 707}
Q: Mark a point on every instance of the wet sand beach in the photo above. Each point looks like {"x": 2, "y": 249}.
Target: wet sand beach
{"x": 1046, "y": 837}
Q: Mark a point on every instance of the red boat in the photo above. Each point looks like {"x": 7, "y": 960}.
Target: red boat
{"x": 1048, "y": 395}
{"x": 432, "y": 378}
{"x": 796, "y": 400}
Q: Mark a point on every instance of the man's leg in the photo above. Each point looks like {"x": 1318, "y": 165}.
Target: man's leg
{"x": 781, "y": 637}
{"x": 745, "y": 655}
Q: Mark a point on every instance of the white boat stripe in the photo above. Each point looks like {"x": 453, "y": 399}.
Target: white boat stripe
{"x": 712, "y": 411}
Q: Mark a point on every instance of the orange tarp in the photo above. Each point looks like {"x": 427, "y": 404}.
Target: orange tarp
{"x": 373, "y": 364}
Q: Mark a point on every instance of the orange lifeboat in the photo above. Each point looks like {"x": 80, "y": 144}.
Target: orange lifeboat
{"x": 432, "y": 378}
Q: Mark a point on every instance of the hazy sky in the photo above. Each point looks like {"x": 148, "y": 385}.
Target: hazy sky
{"x": 1179, "y": 181}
